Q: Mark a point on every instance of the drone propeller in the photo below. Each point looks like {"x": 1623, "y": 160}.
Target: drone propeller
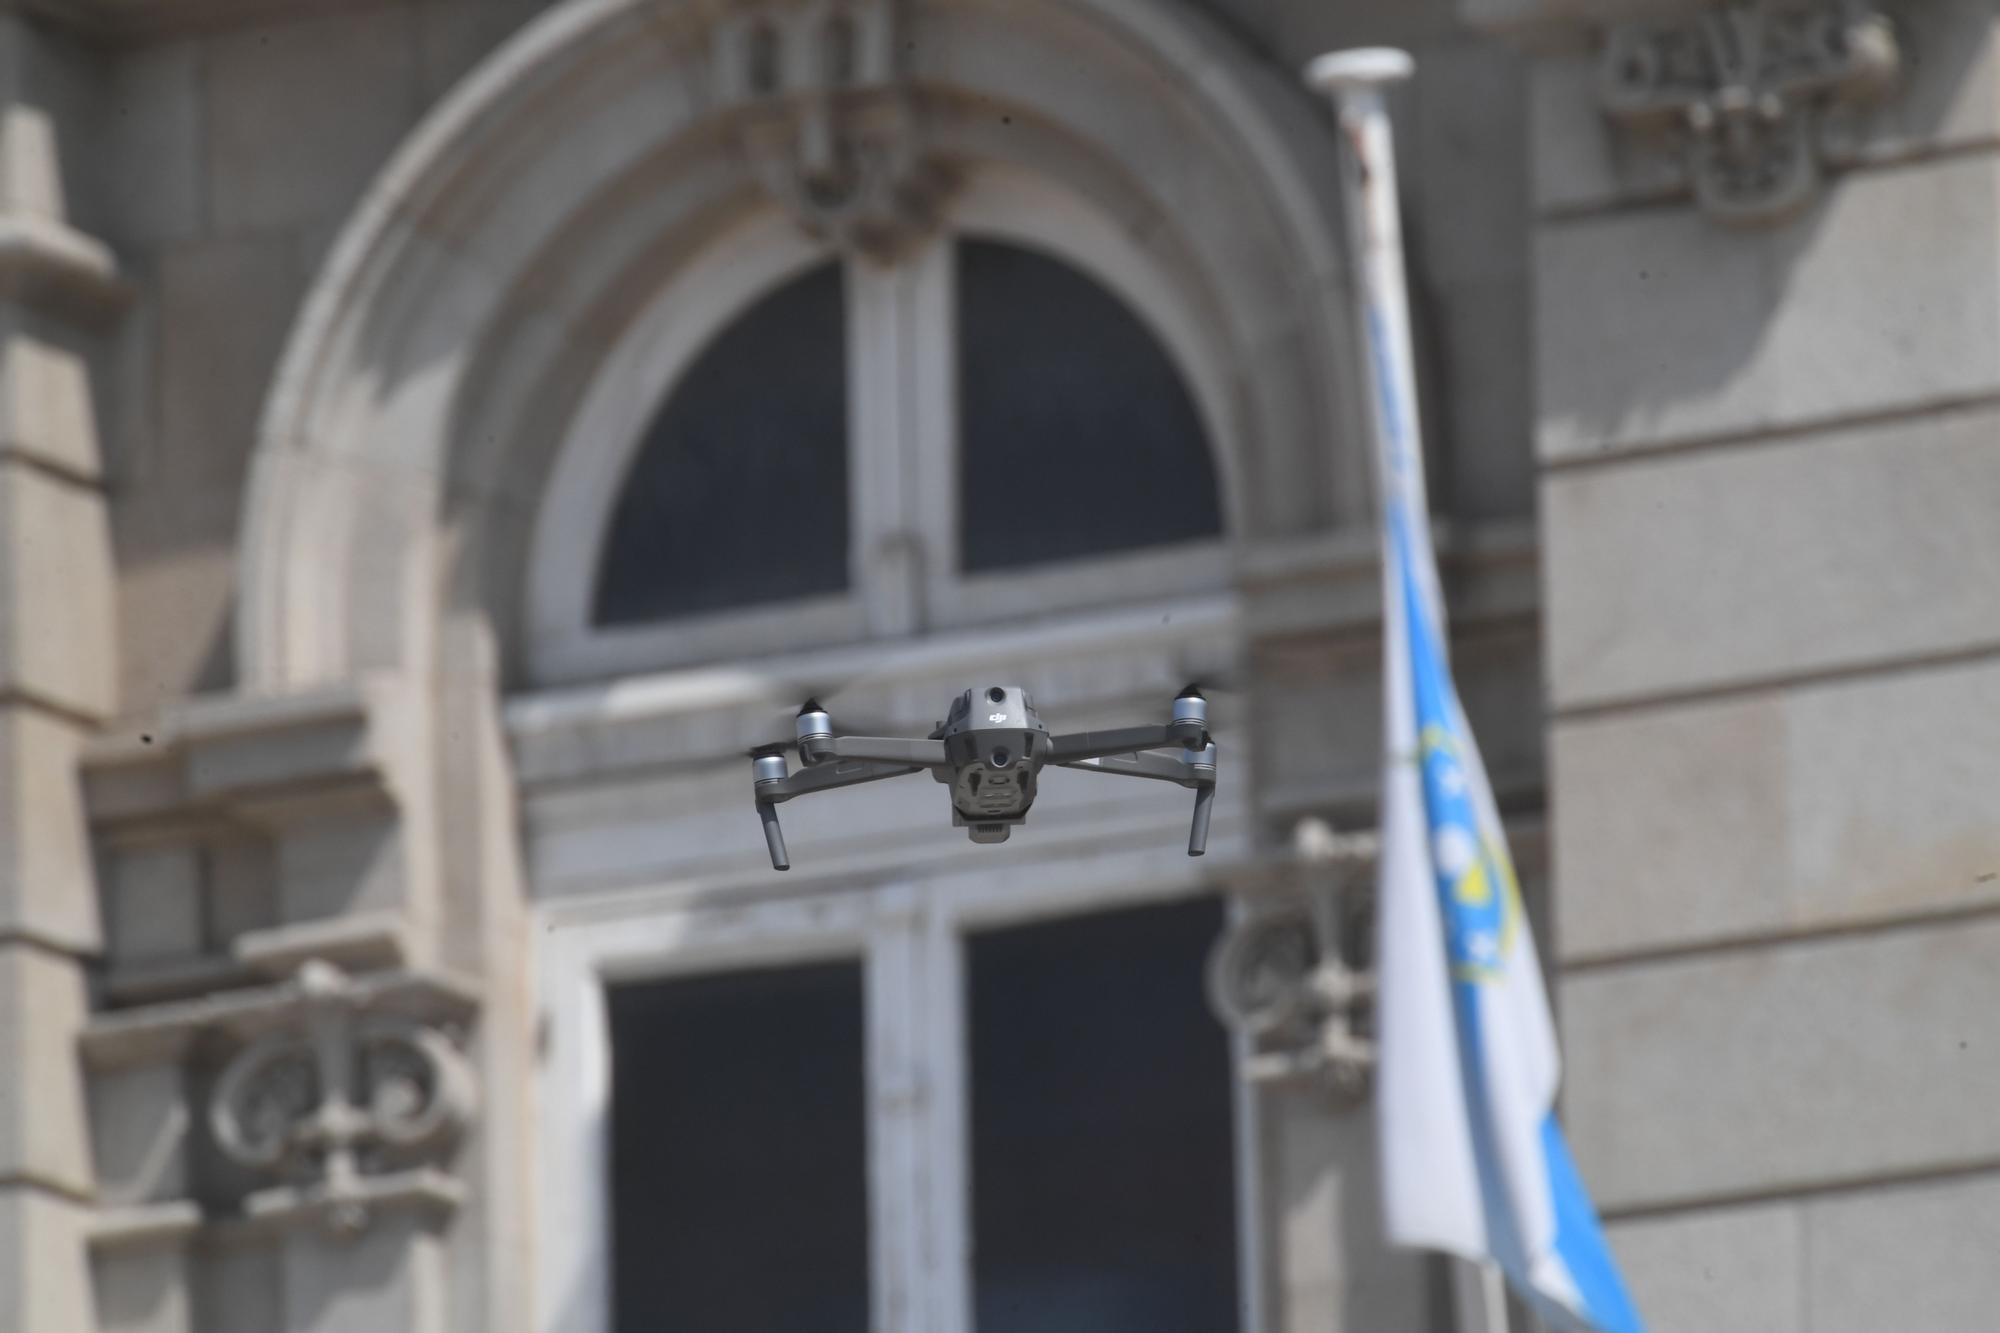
{"x": 846, "y": 721}
{"x": 1212, "y": 685}
{"x": 1224, "y": 695}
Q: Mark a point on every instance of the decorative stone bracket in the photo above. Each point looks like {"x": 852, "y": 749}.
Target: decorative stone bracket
{"x": 336, "y": 1099}
{"x": 1744, "y": 93}
{"x": 343, "y": 1097}
{"x": 828, "y": 119}
{"x": 1286, "y": 974}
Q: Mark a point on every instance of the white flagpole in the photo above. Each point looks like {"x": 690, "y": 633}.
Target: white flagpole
{"x": 1357, "y": 82}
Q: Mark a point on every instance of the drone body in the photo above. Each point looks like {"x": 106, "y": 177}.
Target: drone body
{"x": 990, "y": 751}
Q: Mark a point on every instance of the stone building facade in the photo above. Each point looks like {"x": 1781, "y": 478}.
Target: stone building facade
{"x": 340, "y": 814}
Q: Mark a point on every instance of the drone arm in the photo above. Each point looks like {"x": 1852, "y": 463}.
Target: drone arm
{"x": 827, "y": 776}
{"x": 907, "y": 754}
{"x": 1160, "y": 767}
{"x": 1080, "y": 745}
{"x": 1192, "y": 768}
{"x": 773, "y": 785}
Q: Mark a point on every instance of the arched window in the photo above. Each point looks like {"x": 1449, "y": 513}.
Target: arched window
{"x": 791, "y": 451}
{"x": 739, "y": 492}
{"x": 1076, "y": 435}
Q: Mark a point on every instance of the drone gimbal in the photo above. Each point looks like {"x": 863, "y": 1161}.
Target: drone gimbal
{"x": 990, "y": 751}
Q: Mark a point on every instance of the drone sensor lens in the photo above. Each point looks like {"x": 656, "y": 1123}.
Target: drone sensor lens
{"x": 997, "y": 695}
{"x": 999, "y": 757}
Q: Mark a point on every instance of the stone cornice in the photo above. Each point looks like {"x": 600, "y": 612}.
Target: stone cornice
{"x": 50, "y": 264}
{"x": 1556, "y": 22}
{"x": 244, "y": 758}
{"x": 152, "y": 20}
{"x": 425, "y": 1190}
{"x": 161, "y": 1033}
{"x": 1332, "y": 583}
{"x": 146, "y": 1226}
{"x": 1327, "y": 583}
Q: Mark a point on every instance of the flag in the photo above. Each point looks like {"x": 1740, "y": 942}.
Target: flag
{"x": 1473, "y": 1161}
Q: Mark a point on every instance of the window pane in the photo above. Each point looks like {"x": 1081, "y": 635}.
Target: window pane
{"x": 1102, "y": 1154}
{"x": 738, "y": 1159}
{"x": 739, "y": 494}
{"x": 1076, "y": 435}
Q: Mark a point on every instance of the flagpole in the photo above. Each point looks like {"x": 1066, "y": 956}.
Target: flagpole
{"x": 1357, "y": 81}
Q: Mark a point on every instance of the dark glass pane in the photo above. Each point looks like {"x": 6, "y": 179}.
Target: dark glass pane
{"x": 1102, "y": 1155}
{"x": 1076, "y": 435}
{"x": 739, "y": 493}
{"x": 738, "y": 1153}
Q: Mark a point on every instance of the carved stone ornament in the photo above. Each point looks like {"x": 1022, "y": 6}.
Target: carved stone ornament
{"x": 828, "y": 119}
{"x": 1745, "y": 93}
{"x": 337, "y": 1097}
{"x": 1282, "y": 975}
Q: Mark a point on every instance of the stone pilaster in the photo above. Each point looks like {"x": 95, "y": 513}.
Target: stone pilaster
{"x": 59, "y": 295}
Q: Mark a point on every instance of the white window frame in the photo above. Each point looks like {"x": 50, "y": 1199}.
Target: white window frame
{"x": 606, "y": 434}
{"x": 910, "y": 941}
{"x": 903, "y": 444}
{"x": 1009, "y": 204}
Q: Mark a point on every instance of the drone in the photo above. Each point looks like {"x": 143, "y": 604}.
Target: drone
{"x": 990, "y": 751}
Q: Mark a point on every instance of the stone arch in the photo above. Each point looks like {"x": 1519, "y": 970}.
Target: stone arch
{"x": 492, "y": 267}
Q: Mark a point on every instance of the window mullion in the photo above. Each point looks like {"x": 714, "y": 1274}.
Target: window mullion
{"x": 946, "y": 1182}
{"x": 886, "y": 334}
{"x": 931, "y": 457}
{"x": 896, "y": 1095}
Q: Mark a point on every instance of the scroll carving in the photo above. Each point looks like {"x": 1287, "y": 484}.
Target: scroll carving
{"x": 1287, "y": 974}
{"x": 828, "y": 120}
{"x": 336, "y": 1095}
{"x": 1744, "y": 93}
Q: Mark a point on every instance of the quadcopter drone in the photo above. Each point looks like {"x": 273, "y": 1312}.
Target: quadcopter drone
{"x": 990, "y": 751}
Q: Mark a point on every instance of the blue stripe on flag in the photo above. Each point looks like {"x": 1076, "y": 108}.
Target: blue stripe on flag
{"x": 1580, "y": 1241}
{"x": 1472, "y": 931}
{"x": 1473, "y": 893}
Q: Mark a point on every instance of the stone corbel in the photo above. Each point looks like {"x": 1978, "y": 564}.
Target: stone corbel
{"x": 1289, "y": 976}
{"x": 347, "y": 1108}
{"x": 315, "y": 1109}
{"x": 49, "y": 264}
{"x": 1742, "y": 94}
{"x": 828, "y": 120}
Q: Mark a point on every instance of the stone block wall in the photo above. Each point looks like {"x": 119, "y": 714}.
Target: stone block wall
{"x": 224, "y": 157}
{"x": 1768, "y": 476}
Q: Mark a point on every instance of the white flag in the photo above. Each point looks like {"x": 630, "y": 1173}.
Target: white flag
{"x": 1473, "y": 1161}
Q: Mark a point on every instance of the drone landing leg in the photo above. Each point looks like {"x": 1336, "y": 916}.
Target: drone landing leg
{"x": 774, "y": 837}
{"x": 1204, "y": 797}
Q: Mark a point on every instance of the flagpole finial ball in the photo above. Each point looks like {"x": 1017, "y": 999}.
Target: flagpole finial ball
{"x": 1363, "y": 67}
